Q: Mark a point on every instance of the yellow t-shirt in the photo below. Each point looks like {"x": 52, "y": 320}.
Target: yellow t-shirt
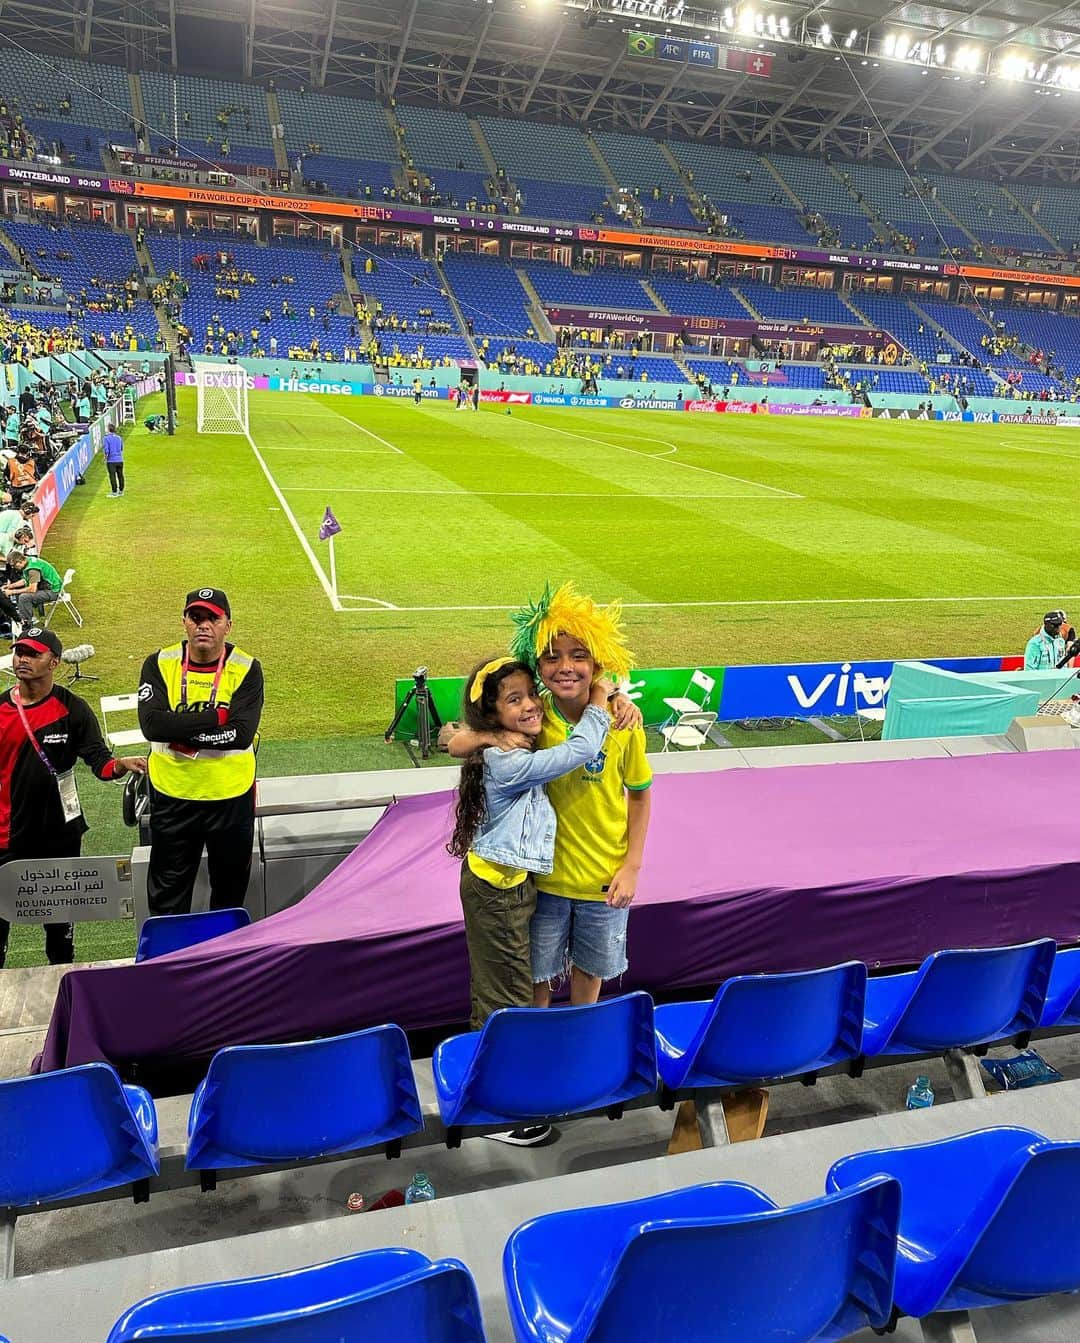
{"x": 591, "y": 834}
{"x": 500, "y": 876}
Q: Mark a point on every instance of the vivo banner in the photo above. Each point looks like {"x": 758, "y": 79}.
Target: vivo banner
{"x": 813, "y": 689}
{"x": 58, "y": 482}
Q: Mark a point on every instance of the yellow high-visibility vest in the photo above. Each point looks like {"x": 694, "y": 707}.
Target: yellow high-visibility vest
{"x": 210, "y": 775}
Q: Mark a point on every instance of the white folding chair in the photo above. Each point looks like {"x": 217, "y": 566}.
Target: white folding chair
{"x": 689, "y": 731}
{"x": 7, "y": 668}
{"x": 63, "y": 598}
{"x": 866, "y": 712}
{"x": 689, "y": 702}
{"x": 116, "y": 738}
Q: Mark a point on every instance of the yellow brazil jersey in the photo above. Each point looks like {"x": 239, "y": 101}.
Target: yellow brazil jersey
{"x": 590, "y": 808}
{"x": 500, "y": 876}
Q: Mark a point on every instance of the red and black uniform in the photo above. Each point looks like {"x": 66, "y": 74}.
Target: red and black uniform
{"x": 32, "y": 821}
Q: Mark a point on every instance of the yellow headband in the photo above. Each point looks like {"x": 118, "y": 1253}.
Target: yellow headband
{"x": 477, "y": 687}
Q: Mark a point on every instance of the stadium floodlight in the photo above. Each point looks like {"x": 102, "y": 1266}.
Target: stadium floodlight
{"x": 221, "y": 399}
{"x": 729, "y": 18}
{"x": 824, "y": 35}
{"x": 785, "y": 26}
{"x": 747, "y": 19}
{"x": 967, "y": 59}
{"x": 851, "y": 38}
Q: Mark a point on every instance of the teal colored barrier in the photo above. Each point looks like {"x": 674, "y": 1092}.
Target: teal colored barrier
{"x": 927, "y": 701}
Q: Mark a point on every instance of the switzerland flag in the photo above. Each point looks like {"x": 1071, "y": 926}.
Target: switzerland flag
{"x": 759, "y": 63}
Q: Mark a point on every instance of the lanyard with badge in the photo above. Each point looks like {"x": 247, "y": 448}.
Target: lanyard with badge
{"x": 182, "y": 748}
{"x": 65, "y": 782}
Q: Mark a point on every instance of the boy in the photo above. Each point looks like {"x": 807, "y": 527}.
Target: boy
{"x": 601, "y": 808}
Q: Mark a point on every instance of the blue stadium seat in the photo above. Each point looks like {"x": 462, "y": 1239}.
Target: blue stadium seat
{"x": 988, "y": 1217}
{"x": 75, "y": 1132}
{"x": 531, "y": 1064}
{"x": 1062, "y": 1007}
{"x": 172, "y": 932}
{"x": 759, "y": 1027}
{"x": 378, "y": 1294}
{"x": 710, "y": 1263}
{"x": 958, "y": 999}
{"x": 260, "y": 1104}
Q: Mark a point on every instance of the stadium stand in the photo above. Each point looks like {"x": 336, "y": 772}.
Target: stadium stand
{"x": 407, "y": 286}
{"x": 97, "y": 268}
{"x": 822, "y": 193}
{"x": 892, "y": 195}
{"x": 317, "y": 280}
{"x": 1056, "y": 335}
{"x": 524, "y": 149}
{"x": 551, "y": 200}
{"x": 986, "y": 211}
{"x": 697, "y": 298}
{"x": 605, "y": 286}
{"x": 345, "y": 177}
{"x": 71, "y": 107}
{"x": 896, "y": 316}
{"x": 206, "y": 115}
{"x": 737, "y": 183}
{"x": 796, "y": 304}
{"x": 1057, "y": 209}
{"x": 639, "y": 164}
{"x": 349, "y": 128}
{"x": 489, "y": 294}
{"x": 440, "y": 138}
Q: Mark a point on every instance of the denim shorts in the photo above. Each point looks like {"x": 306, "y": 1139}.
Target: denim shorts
{"x": 589, "y": 934}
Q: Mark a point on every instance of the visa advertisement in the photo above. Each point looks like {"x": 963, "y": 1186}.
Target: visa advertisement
{"x": 780, "y": 690}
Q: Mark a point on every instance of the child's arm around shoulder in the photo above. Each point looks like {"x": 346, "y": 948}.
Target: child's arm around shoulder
{"x": 526, "y": 769}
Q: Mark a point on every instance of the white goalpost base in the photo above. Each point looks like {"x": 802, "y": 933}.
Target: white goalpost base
{"x": 222, "y": 399}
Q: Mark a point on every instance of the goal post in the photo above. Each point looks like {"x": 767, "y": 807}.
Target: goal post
{"x": 222, "y": 399}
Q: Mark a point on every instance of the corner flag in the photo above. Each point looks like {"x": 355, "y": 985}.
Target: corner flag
{"x": 330, "y": 525}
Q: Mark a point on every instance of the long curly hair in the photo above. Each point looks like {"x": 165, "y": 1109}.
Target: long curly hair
{"x": 480, "y": 715}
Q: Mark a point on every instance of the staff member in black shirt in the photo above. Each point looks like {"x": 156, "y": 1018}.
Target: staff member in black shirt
{"x": 44, "y": 730}
{"x": 200, "y": 702}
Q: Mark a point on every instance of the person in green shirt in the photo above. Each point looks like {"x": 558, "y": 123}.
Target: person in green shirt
{"x": 35, "y": 584}
{"x": 83, "y": 409}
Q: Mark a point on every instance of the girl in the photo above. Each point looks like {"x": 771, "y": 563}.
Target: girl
{"x": 505, "y": 826}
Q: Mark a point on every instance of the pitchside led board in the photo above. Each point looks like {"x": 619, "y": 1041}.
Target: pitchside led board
{"x": 784, "y": 690}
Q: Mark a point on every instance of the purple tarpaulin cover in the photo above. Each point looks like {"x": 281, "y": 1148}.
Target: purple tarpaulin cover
{"x": 746, "y": 870}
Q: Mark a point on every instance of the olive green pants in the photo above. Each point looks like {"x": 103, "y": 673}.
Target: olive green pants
{"x": 497, "y": 933}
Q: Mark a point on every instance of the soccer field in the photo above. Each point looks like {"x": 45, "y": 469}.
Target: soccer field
{"x": 731, "y": 539}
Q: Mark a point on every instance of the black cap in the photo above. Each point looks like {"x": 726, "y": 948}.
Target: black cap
{"x": 39, "y": 640}
{"x": 1054, "y": 618}
{"x": 29, "y": 508}
{"x": 213, "y": 599}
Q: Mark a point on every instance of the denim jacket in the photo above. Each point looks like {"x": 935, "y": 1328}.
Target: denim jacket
{"x": 518, "y": 829}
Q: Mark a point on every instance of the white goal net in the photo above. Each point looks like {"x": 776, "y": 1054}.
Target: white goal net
{"x": 222, "y": 399}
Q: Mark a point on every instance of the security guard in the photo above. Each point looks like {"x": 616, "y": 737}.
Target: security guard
{"x": 1050, "y": 647}
{"x": 199, "y": 707}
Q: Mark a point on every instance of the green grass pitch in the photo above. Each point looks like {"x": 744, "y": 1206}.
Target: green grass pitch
{"x": 730, "y": 538}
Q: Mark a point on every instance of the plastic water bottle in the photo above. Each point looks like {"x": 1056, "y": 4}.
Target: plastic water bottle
{"x": 920, "y": 1095}
{"x": 421, "y": 1190}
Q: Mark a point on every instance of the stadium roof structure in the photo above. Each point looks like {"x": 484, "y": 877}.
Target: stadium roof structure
{"x": 986, "y": 87}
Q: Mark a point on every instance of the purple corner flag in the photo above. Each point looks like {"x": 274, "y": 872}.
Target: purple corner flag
{"x": 330, "y": 525}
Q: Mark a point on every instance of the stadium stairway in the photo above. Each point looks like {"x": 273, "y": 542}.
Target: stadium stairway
{"x": 689, "y": 190}
{"x": 605, "y": 167}
{"x": 455, "y": 308}
{"x": 273, "y": 107}
{"x": 138, "y": 108}
{"x": 860, "y": 205}
{"x": 13, "y": 251}
{"x": 654, "y": 296}
{"x": 1029, "y": 218}
{"x": 945, "y": 334}
{"x": 862, "y": 318}
{"x": 481, "y": 141}
{"x": 775, "y": 173}
{"x": 543, "y": 327}
{"x": 745, "y": 302}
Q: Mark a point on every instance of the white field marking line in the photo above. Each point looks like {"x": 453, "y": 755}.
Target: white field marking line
{"x": 349, "y": 452}
{"x": 305, "y": 544}
{"x": 519, "y": 494}
{"x": 757, "y": 484}
{"x": 778, "y": 601}
{"x": 375, "y": 602}
{"x": 370, "y": 432}
{"x": 1041, "y": 452}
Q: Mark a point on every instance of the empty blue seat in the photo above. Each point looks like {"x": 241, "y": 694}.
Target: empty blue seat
{"x": 172, "y": 932}
{"x": 71, "y": 1133}
{"x": 1062, "y": 1006}
{"x": 958, "y": 999}
{"x": 379, "y": 1294}
{"x": 759, "y": 1027}
{"x": 261, "y": 1104}
{"x": 530, "y": 1064}
{"x": 707, "y": 1264}
{"x": 987, "y": 1217}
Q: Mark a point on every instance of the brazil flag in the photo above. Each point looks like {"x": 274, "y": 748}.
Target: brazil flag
{"x": 641, "y": 44}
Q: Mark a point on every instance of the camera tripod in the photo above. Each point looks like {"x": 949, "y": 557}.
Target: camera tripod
{"x": 427, "y": 715}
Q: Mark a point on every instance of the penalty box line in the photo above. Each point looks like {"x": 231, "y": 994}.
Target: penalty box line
{"x": 305, "y": 544}
{"x": 380, "y": 605}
